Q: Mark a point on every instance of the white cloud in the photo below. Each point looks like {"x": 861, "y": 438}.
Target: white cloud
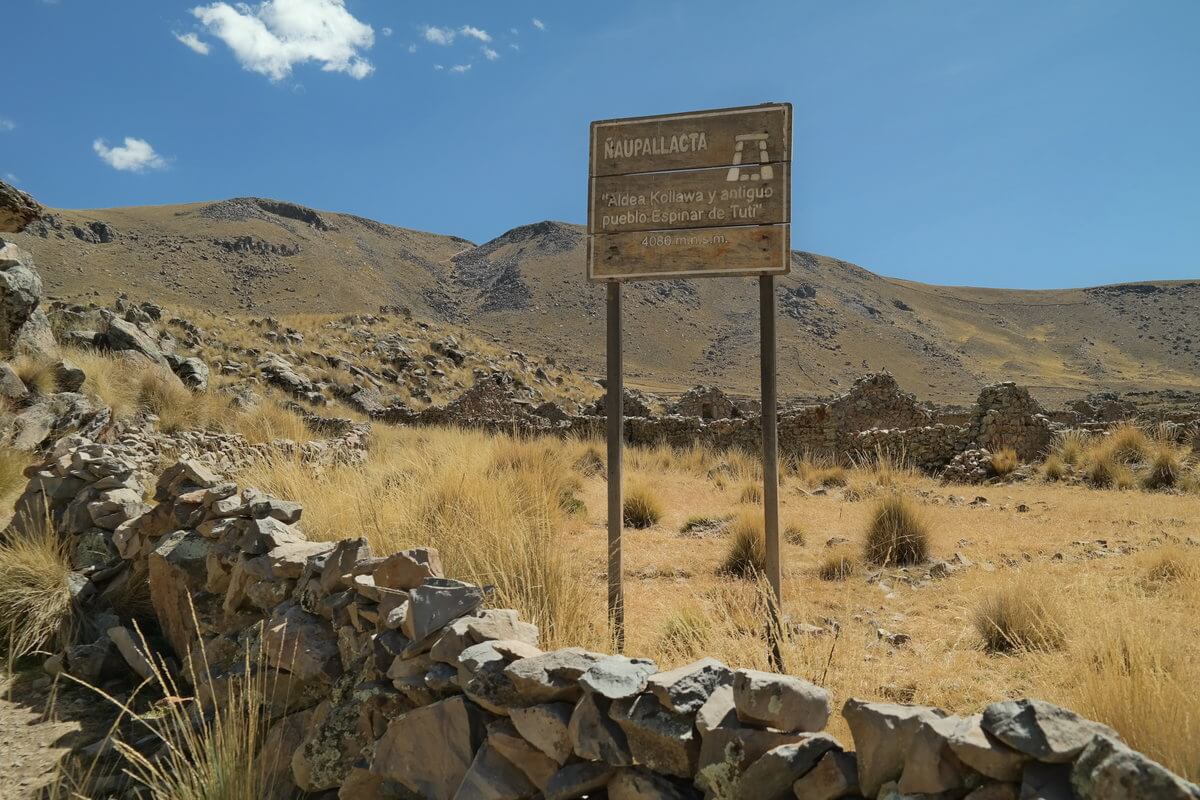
{"x": 386, "y": 31}
{"x": 135, "y": 156}
{"x": 438, "y": 67}
{"x": 537, "y": 23}
{"x": 412, "y": 48}
{"x": 272, "y": 37}
{"x": 459, "y": 69}
{"x": 475, "y": 33}
{"x": 489, "y": 53}
{"x": 11, "y": 179}
{"x": 193, "y": 42}
{"x": 7, "y": 125}
{"x": 514, "y": 45}
{"x": 436, "y": 35}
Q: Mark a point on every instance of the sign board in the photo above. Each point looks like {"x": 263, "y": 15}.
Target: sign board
{"x": 707, "y": 193}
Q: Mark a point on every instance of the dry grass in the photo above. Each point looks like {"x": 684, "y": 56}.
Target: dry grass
{"x": 35, "y": 602}
{"x": 1055, "y": 467}
{"x": 897, "y": 534}
{"x": 12, "y": 474}
{"x": 750, "y": 493}
{"x": 1071, "y": 446}
{"x": 685, "y": 634}
{"x": 493, "y": 506}
{"x": 640, "y": 505}
{"x": 36, "y": 373}
{"x": 1167, "y": 467}
{"x": 1169, "y": 565}
{"x": 1103, "y": 471}
{"x": 1127, "y": 443}
{"x": 1019, "y": 616}
{"x": 1004, "y": 462}
{"x": 747, "y": 553}
{"x": 837, "y": 567}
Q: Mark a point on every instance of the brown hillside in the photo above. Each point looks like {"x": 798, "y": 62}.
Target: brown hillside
{"x": 527, "y": 290}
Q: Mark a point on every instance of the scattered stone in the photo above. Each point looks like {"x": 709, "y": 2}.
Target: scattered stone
{"x": 595, "y": 736}
{"x": 576, "y": 780}
{"x": 1108, "y": 770}
{"x": 772, "y": 775}
{"x": 618, "y": 677}
{"x": 438, "y": 602}
{"x": 685, "y": 689}
{"x": 835, "y": 776}
{"x": 553, "y": 676}
{"x": 546, "y": 727}
{"x": 432, "y": 765}
{"x": 663, "y": 740}
{"x": 882, "y": 735}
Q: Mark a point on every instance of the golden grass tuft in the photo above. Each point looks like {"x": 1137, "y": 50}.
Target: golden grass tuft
{"x": 1055, "y": 468}
{"x": 747, "y": 554}
{"x": 12, "y": 473}
{"x": 1170, "y": 564}
{"x": 641, "y": 506}
{"x": 35, "y": 601}
{"x": 1020, "y": 616}
{"x": 1103, "y": 471}
{"x": 1004, "y": 462}
{"x": 1167, "y": 467}
{"x": 750, "y": 493}
{"x": 684, "y": 634}
{"x": 36, "y": 373}
{"x": 1071, "y": 446}
{"x": 897, "y": 533}
{"x": 1127, "y": 443}
{"x": 837, "y": 567}
{"x": 827, "y": 476}
{"x": 793, "y": 534}
{"x": 492, "y": 506}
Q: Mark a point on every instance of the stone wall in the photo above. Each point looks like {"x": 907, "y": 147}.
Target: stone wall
{"x": 874, "y": 416}
{"x": 390, "y": 680}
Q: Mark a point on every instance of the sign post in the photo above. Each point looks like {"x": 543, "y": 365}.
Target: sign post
{"x": 701, "y": 194}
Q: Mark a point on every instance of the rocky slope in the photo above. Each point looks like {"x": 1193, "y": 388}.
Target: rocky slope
{"x": 526, "y": 288}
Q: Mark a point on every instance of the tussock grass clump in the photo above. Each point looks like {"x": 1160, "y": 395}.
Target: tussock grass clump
{"x": 1055, "y": 468}
{"x": 1019, "y": 617}
{"x": 837, "y": 567}
{"x": 1071, "y": 447}
{"x": 750, "y": 494}
{"x": 1104, "y": 471}
{"x": 700, "y": 525}
{"x": 684, "y": 634}
{"x": 1171, "y": 564}
{"x": 36, "y": 373}
{"x": 1167, "y": 467}
{"x": 641, "y": 506}
{"x": 12, "y": 472}
{"x": 897, "y": 534}
{"x": 1004, "y": 462}
{"x": 591, "y": 461}
{"x": 830, "y": 477}
{"x": 1127, "y": 443}
{"x": 747, "y": 554}
{"x": 35, "y": 601}
{"x": 793, "y": 533}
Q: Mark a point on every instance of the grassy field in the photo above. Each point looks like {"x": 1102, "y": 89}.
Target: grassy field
{"x": 1080, "y": 595}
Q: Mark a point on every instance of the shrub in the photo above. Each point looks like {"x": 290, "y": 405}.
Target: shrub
{"x": 1004, "y": 462}
{"x": 35, "y": 601}
{"x": 897, "y": 534}
{"x": 1018, "y": 617}
{"x": 747, "y": 555}
{"x": 837, "y": 567}
{"x": 641, "y": 507}
{"x": 1055, "y": 468}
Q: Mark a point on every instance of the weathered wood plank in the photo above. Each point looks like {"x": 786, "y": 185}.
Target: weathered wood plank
{"x": 708, "y": 252}
{"x": 745, "y": 136}
{"x": 705, "y": 198}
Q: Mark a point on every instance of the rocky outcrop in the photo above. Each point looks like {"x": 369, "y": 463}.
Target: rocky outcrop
{"x": 17, "y": 209}
{"x": 392, "y": 680}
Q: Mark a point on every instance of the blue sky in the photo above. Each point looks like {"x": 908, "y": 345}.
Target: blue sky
{"x": 1021, "y": 143}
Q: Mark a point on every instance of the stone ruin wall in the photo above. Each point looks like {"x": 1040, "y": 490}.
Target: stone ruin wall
{"x": 396, "y": 682}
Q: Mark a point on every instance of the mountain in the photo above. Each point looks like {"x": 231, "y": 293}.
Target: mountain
{"x": 526, "y": 289}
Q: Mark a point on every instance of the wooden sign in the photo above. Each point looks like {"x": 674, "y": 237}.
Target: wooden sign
{"x": 706, "y": 193}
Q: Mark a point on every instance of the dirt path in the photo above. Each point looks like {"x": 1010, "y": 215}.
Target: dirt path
{"x": 39, "y": 724}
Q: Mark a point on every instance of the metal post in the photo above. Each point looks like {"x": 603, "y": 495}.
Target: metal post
{"x": 616, "y": 437}
{"x": 770, "y": 460}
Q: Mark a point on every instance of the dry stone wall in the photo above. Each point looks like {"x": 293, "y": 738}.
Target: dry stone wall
{"x": 391, "y": 680}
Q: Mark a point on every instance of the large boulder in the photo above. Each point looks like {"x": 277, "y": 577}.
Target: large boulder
{"x": 782, "y": 702}
{"x": 430, "y": 749}
{"x": 23, "y": 327}
{"x": 1042, "y": 730}
{"x": 1108, "y": 770}
{"x": 122, "y": 336}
